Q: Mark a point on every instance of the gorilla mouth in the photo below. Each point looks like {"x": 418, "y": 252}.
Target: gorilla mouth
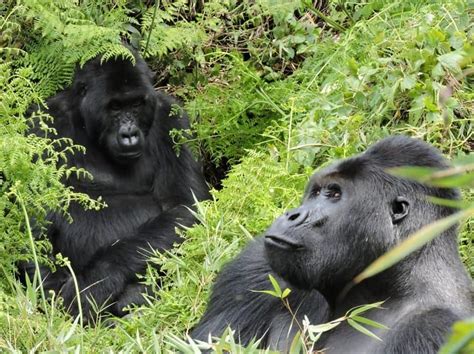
{"x": 282, "y": 242}
{"x": 130, "y": 155}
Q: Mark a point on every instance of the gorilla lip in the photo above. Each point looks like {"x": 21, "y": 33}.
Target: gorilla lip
{"x": 131, "y": 155}
{"x": 282, "y": 242}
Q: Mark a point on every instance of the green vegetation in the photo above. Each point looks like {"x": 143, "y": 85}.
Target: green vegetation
{"x": 274, "y": 89}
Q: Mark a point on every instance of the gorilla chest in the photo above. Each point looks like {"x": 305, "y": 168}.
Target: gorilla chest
{"x": 92, "y": 230}
{"x": 345, "y": 339}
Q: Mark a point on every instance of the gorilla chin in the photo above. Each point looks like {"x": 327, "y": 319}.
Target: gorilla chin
{"x": 126, "y": 157}
{"x": 127, "y": 146}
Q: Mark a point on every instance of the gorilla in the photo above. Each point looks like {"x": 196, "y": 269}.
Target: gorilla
{"x": 352, "y": 212}
{"x": 113, "y": 110}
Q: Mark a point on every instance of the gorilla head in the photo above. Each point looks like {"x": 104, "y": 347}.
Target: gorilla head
{"x": 353, "y": 212}
{"x": 116, "y": 105}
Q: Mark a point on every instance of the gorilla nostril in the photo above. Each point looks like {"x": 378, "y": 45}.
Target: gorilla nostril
{"x": 297, "y": 216}
{"x": 128, "y": 136}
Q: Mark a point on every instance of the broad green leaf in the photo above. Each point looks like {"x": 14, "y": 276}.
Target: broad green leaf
{"x": 362, "y": 329}
{"x": 408, "y": 82}
{"x": 411, "y": 244}
{"x": 451, "y": 61}
{"x": 369, "y": 322}
{"x": 430, "y": 104}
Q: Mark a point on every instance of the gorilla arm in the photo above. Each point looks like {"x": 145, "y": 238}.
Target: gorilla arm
{"x": 113, "y": 269}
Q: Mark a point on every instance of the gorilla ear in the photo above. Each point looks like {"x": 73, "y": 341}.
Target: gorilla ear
{"x": 400, "y": 209}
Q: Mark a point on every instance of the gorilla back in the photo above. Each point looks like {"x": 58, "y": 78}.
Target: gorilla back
{"x": 353, "y": 212}
{"x": 112, "y": 109}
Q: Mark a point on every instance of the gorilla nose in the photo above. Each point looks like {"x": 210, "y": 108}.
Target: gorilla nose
{"x": 296, "y": 216}
{"x": 128, "y": 136}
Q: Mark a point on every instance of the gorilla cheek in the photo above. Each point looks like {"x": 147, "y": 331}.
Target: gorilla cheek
{"x": 92, "y": 118}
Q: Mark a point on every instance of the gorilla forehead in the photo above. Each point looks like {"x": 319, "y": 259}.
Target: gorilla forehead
{"x": 117, "y": 75}
{"x": 123, "y": 76}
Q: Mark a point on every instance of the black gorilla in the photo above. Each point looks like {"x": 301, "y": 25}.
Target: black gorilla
{"x": 112, "y": 109}
{"x": 352, "y": 212}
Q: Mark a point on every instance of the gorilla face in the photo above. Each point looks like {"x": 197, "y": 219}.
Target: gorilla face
{"x": 117, "y": 106}
{"x": 346, "y": 220}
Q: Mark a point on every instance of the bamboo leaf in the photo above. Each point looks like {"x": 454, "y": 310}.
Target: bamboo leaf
{"x": 269, "y": 292}
{"x": 457, "y": 204}
{"x": 362, "y": 329}
{"x": 324, "y": 327}
{"x": 411, "y": 244}
{"x": 286, "y": 292}
{"x": 296, "y": 344}
{"x": 364, "y": 308}
{"x": 369, "y": 322}
{"x": 275, "y": 285}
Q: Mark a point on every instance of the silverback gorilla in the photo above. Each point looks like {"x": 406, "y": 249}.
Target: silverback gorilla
{"x": 112, "y": 109}
{"x": 352, "y": 212}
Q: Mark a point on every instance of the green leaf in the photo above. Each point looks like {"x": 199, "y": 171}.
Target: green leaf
{"x": 269, "y": 292}
{"x": 453, "y": 181}
{"x": 296, "y": 344}
{"x": 417, "y": 173}
{"x": 462, "y": 338}
{"x": 457, "y": 204}
{"x": 369, "y": 322}
{"x": 456, "y": 176}
{"x": 299, "y": 38}
{"x": 286, "y": 292}
{"x": 464, "y": 160}
{"x": 408, "y": 82}
{"x": 430, "y": 105}
{"x": 451, "y": 61}
{"x": 414, "y": 242}
{"x": 275, "y": 285}
{"x": 323, "y": 327}
{"x": 362, "y": 329}
{"x": 364, "y": 308}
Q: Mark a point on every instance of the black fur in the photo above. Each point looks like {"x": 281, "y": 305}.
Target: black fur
{"x": 236, "y": 302}
{"x": 352, "y": 213}
{"x": 113, "y": 110}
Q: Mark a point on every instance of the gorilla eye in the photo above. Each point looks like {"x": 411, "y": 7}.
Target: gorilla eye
{"x": 333, "y": 191}
{"x": 315, "y": 191}
{"x": 114, "y": 105}
{"x": 138, "y": 103}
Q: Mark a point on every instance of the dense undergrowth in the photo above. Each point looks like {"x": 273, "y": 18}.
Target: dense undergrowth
{"x": 274, "y": 89}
